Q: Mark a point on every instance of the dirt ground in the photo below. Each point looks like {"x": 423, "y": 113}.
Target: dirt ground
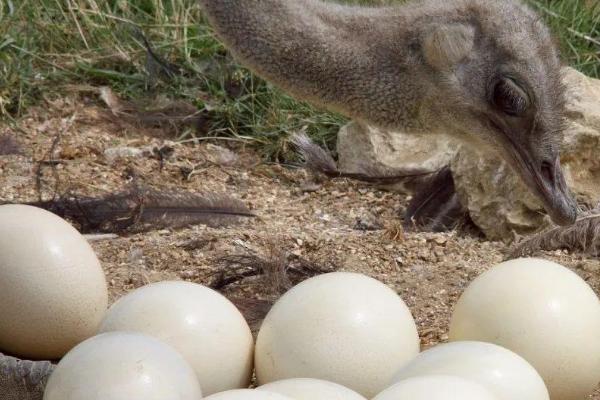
{"x": 317, "y": 222}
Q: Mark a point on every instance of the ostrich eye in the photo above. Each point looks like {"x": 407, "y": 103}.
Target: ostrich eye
{"x": 509, "y": 98}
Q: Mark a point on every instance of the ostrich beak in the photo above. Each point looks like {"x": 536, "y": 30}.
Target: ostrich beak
{"x": 547, "y": 181}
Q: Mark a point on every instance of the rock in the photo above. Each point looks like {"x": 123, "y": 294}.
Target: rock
{"x": 582, "y": 138}
{"x": 116, "y": 153}
{"x": 162, "y": 152}
{"x": 365, "y": 149}
{"x": 220, "y": 155}
{"x": 368, "y": 221}
{"x": 497, "y": 200}
{"x": 310, "y": 187}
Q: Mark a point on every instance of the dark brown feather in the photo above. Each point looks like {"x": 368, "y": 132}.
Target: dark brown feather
{"x": 139, "y": 210}
{"x": 583, "y": 236}
{"x": 435, "y": 206}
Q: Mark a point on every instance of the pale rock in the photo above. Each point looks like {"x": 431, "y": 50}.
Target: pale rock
{"x": 220, "y": 155}
{"x": 164, "y": 151}
{"x": 497, "y": 200}
{"x": 582, "y": 138}
{"x": 366, "y": 149}
{"x": 116, "y": 153}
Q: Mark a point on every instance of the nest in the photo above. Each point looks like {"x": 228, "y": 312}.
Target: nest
{"x": 23, "y": 380}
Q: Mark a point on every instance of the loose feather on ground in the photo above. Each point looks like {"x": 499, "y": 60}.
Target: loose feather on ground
{"x": 583, "y": 236}
{"x": 141, "y": 210}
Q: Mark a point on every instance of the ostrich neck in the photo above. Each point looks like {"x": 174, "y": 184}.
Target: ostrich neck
{"x": 354, "y": 60}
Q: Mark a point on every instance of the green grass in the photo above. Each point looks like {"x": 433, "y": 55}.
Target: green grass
{"x": 46, "y": 45}
{"x": 577, "y": 24}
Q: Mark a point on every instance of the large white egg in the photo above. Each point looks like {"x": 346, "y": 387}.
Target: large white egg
{"x": 247, "y": 394}
{"x": 541, "y": 311}
{"x": 53, "y": 292}
{"x": 123, "y": 366}
{"x": 436, "y": 387}
{"x": 311, "y": 389}
{"x": 341, "y": 327}
{"x": 507, "y": 375}
{"x": 203, "y": 325}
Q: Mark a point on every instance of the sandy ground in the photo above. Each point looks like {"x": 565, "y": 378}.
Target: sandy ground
{"x": 320, "y": 223}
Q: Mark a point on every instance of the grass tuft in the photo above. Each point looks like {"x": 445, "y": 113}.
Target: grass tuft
{"x": 46, "y": 45}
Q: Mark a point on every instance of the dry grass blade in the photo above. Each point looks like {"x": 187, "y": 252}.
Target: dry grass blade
{"x": 23, "y": 380}
{"x": 157, "y": 66}
{"x": 319, "y": 161}
{"x": 583, "y": 236}
{"x": 141, "y": 210}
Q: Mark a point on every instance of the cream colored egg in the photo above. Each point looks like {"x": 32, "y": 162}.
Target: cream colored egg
{"x": 507, "y": 375}
{"x": 541, "y": 311}
{"x": 247, "y": 394}
{"x": 123, "y": 366}
{"x": 311, "y": 389}
{"x": 53, "y": 292}
{"x": 203, "y": 325}
{"x": 436, "y": 387}
{"x": 341, "y": 327}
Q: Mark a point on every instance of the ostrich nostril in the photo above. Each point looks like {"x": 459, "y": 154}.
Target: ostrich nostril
{"x": 547, "y": 170}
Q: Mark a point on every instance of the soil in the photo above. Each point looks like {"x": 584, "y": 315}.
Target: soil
{"x": 337, "y": 225}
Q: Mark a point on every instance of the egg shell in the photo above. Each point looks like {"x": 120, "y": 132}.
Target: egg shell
{"x": 53, "y": 292}
{"x": 247, "y": 394}
{"x": 507, "y": 375}
{"x": 123, "y": 366}
{"x": 200, "y": 323}
{"x": 436, "y": 387}
{"x": 341, "y": 327}
{"x": 542, "y": 311}
{"x": 311, "y": 389}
